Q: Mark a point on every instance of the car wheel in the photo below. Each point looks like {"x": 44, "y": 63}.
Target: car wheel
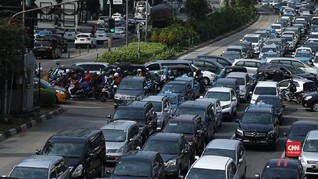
{"x": 206, "y": 81}
{"x": 315, "y": 107}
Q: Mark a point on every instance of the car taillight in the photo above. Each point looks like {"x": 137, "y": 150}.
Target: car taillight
{"x": 50, "y": 49}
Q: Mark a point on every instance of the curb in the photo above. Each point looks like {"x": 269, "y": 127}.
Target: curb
{"x": 34, "y": 122}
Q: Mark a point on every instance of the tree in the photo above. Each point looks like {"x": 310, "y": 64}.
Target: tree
{"x": 197, "y": 9}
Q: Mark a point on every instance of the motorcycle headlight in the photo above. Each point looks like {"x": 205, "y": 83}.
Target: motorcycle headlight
{"x": 59, "y": 91}
{"x": 171, "y": 163}
{"x": 78, "y": 171}
{"x": 239, "y": 132}
{"x": 307, "y": 98}
{"x": 117, "y": 96}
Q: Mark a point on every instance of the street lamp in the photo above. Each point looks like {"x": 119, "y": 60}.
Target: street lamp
{"x": 126, "y": 22}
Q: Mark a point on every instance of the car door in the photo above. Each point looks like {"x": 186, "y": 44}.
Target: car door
{"x": 196, "y": 88}
{"x": 167, "y": 111}
{"x": 184, "y": 153}
{"x": 241, "y": 161}
{"x": 232, "y": 171}
{"x": 201, "y": 136}
{"x": 133, "y": 138}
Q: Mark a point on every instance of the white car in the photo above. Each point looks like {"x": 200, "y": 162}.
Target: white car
{"x": 256, "y": 40}
{"x": 120, "y": 33}
{"x": 251, "y": 65}
{"x": 309, "y": 153}
{"x": 315, "y": 60}
{"x": 278, "y": 28}
{"x": 117, "y": 16}
{"x": 228, "y": 99}
{"x": 70, "y": 34}
{"x": 217, "y": 166}
{"x": 101, "y": 36}
{"x": 265, "y": 88}
{"x": 84, "y": 40}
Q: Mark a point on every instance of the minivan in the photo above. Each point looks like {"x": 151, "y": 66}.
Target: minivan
{"x": 244, "y": 84}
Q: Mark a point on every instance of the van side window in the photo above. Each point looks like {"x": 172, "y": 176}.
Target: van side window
{"x": 153, "y": 67}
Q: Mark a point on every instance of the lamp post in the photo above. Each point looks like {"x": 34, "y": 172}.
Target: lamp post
{"x": 126, "y": 22}
{"x": 146, "y": 23}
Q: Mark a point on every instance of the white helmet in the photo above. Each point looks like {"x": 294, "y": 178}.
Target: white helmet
{"x": 116, "y": 75}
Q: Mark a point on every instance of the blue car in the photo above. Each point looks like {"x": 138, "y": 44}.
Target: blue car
{"x": 268, "y": 54}
{"x": 174, "y": 98}
{"x": 303, "y": 54}
{"x": 194, "y": 84}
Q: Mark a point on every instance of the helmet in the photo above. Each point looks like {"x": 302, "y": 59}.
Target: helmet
{"x": 138, "y": 70}
{"x": 67, "y": 71}
{"x": 116, "y": 75}
{"x": 118, "y": 68}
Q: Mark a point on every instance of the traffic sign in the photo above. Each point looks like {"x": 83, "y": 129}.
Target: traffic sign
{"x": 293, "y": 149}
{"x": 70, "y": 8}
{"x": 44, "y": 3}
{"x": 117, "y": 2}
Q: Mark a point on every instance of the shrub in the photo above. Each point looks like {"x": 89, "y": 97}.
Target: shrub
{"x": 47, "y": 97}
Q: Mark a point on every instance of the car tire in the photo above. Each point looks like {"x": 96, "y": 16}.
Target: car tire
{"x": 315, "y": 107}
{"x": 206, "y": 80}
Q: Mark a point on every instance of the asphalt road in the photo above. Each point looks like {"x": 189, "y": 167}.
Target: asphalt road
{"x": 92, "y": 113}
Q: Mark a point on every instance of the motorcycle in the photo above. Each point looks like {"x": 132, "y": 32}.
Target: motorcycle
{"x": 107, "y": 93}
{"x": 292, "y": 96}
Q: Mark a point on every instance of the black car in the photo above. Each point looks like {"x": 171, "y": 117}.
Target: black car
{"x": 142, "y": 112}
{"x": 207, "y": 65}
{"x": 282, "y": 168}
{"x": 299, "y": 130}
{"x": 175, "y": 151}
{"x": 202, "y": 108}
{"x": 61, "y": 40}
{"x": 139, "y": 164}
{"x": 47, "y": 48}
{"x": 193, "y": 129}
{"x": 229, "y": 69}
{"x": 217, "y": 58}
{"x": 258, "y": 126}
{"x": 275, "y": 101}
{"x": 131, "y": 88}
{"x": 310, "y": 100}
{"x": 83, "y": 149}
{"x": 183, "y": 88}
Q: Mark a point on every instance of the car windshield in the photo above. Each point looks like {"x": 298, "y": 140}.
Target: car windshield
{"x": 131, "y": 114}
{"x": 220, "y": 152}
{"x": 29, "y": 173}
{"x": 271, "y": 101}
{"x": 288, "y": 38}
{"x": 303, "y": 54}
{"x": 302, "y": 130}
{"x": 276, "y": 27}
{"x": 200, "y": 173}
{"x": 311, "y": 146}
{"x": 131, "y": 85}
{"x": 191, "y": 111}
{"x": 256, "y": 118}
{"x": 231, "y": 55}
{"x": 280, "y": 173}
{"x": 64, "y": 149}
{"x": 161, "y": 146}
{"x": 114, "y": 135}
{"x": 132, "y": 169}
{"x": 267, "y": 49}
{"x": 240, "y": 81}
{"x": 173, "y": 88}
{"x": 183, "y": 128}
{"x": 220, "y": 84}
{"x": 251, "y": 39}
{"x": 222, "y": 96}
{"x": 265, "y": 91}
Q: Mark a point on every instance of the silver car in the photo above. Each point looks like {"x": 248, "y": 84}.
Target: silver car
{"x": 121, "y": 136}
{"x": 228, "y": 148}
{"x": 41, "y": 166}
{"x": 309, "y": 153}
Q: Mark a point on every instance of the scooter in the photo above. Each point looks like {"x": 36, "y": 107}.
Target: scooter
{"x": 107, "y": 93}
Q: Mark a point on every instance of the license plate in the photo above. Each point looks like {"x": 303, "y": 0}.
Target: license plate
{"x": 81, "y": 39}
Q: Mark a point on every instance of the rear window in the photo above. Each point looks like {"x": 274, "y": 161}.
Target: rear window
{"x": 39, "y": 43}
{"x": 265, "y": 91}
{"x": 85, "y": 36}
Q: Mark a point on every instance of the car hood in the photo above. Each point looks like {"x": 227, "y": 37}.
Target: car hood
{"x": 73, "y": 162}
{"x": 175, "y": 94}
{"x": 167, "y": 157}
{"x": 310, "y": 155}
{"x": 255, "y": 127}
{"x": 223, "y": 103}
{"x": 114, "y": 145}
{"x": 123, "y": 92}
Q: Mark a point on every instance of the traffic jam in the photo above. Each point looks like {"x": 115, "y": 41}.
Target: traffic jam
{"x": 168, "y": 112}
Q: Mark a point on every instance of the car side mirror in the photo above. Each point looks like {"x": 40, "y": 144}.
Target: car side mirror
{"x": 237, "y": 120}
{"x": 138, "y": 148}
{"x": 38, "y": 151}
{"x": 257, "y": 175}
{"x": 240, "y": 160}
{"x": 234, "y": 99}
{"x": 109, "y": 116}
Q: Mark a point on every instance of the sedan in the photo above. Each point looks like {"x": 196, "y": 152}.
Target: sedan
{"x": 61, "y": 94}
{"x": 183, "y": 88}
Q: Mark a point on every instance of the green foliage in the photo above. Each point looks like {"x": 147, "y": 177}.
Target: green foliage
{"x": 47, "y": 97}
{"x": 197, "y": 9}
{"x": 148, "y": 52}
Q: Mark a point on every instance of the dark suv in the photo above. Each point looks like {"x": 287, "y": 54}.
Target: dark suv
{"x": 193, "y": 129}
{"x": 142, "y": 112}
{"x": 49, "y": 48}
{"x": 131, "y": 88}
{"x": 258, "y": 126}
{"x": 82, "y": 148}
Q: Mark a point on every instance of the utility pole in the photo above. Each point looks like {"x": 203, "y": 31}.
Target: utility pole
{"x": 126, "y": 22}
{"x": 146, "y": 23}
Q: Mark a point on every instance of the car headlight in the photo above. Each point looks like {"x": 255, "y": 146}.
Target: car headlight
{"x": 78, "y": 171}
{"x": 307, "y": 98}
{"x": 239, "y": 132}
{"x": 212, "y": 75}
{"x": 171, "y": 163}
{"x": 226, "y": 106}
{"x": 117, "y": 96}
{"x": 59, "y": 91}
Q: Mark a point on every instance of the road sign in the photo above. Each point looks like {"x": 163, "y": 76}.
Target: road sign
{"x": 117, "y": 2}
{"x": 43, "y": 3}
{"x": 293, "y": 149}
{"x": 70, "y": 8}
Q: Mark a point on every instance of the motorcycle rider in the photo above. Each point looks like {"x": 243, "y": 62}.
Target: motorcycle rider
{"x": 291, "y": 89}
{"x": 199, "y": 77}
{"x": 139, "y": 72}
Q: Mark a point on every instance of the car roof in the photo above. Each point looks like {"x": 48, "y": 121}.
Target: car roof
{"x": 226, "y": 80}
{"x": 266, "y": 84}
{"x": 305, "y": 122}
{"x": 177, "y": 82}
{"x": 270, "y": 45}
{"x": 252, "y": 35}
{"x": 227, "y": 144}
{"x": 237, "y": 74}
{"x": 139, "y": 156}
{"x": 219, "y": 89}
{"x": 133, "y": 78}
{"x": 205, "y": 162}
{"x": 211, "y": 100}
{"x": 259, "y": 107}
{"x": 282, "y": 58}
{"x": 282, "y": 163}
{"x": 90, "y": 63}
{"x": 165, "y": 136}
{"x": 119, "y": 124}
{"x": 246, "y": 59}
{"x": 154, "y": 98}
{"x": 194, "y": 104}
{"x": 77, "y": 134}
{"x": 39, "y": 161}
{"x": 183, "y": 118}
{"x": 312, "y": 135}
